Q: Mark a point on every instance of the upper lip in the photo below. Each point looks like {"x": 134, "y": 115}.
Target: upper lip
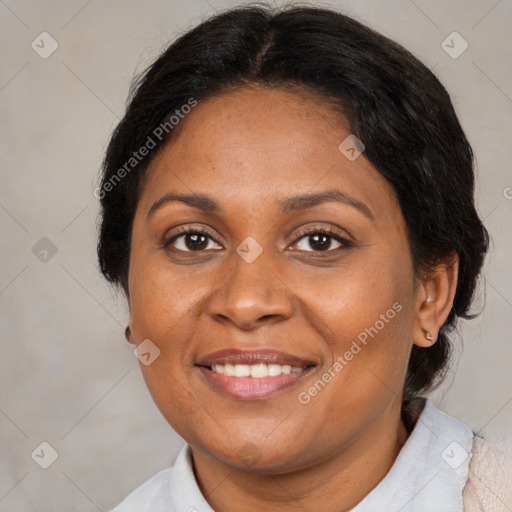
{"x": 268, "y": 356}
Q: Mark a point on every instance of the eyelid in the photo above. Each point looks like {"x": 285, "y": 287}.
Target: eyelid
{"x": 186, "y": 229}
{"x": 327, "y": 230}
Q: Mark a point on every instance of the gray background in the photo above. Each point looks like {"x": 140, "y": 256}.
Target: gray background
{"x": 68, "y": 377}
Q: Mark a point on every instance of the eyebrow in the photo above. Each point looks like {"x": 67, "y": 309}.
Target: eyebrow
{"x": 304, "y": 201}
{"x": 291, "y": 204}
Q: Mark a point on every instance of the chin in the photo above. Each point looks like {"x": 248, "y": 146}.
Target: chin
{"x": 254, "y": 454}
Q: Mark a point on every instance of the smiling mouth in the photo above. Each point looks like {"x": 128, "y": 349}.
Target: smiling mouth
{"x": 253, "y": 374}
{"x": 257, "y": 371}
{"x": 250, "y": 382}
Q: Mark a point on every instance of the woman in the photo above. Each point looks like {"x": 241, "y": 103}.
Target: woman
{"x": 288, "y": 207}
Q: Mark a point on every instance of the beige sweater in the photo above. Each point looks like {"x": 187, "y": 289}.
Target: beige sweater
{"x": 489, "y": 484}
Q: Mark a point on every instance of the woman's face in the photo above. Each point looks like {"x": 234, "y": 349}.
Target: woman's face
{"x": 297, "y": 256}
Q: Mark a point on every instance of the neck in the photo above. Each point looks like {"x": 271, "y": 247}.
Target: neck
{"x": 337, "y": 483}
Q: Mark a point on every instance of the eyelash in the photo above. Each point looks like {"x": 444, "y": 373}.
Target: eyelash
{"x": 345, "y": 244}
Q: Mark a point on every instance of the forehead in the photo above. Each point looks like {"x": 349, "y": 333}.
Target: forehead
{"x": 256, "y": 143}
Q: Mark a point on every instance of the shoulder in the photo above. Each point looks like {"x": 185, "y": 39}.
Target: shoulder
{"x": 489, "y": 484}
{"x": 151, "y": 496}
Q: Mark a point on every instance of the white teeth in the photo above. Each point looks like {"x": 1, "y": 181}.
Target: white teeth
{"x": 259, "y": 370}
{"x": 274, "y": 369}
{"x": 242, "y": 370}
{"x": 286, "y": 369}
{"x": 254, "y": 370}
{"x": 218, "y": 368}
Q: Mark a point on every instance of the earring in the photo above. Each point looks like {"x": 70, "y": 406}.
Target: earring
{"x": 429, "y": 336}
{"x": 127, "y": 334}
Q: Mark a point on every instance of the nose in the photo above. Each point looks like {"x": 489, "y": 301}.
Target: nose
{"x": 251, "y": 295}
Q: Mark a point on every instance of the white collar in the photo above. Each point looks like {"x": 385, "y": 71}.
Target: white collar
{"x": 430, "y": 471}
{"x": 428, "y": 475}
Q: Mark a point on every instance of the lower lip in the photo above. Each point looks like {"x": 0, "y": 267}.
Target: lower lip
{"x": 252, "y": 388}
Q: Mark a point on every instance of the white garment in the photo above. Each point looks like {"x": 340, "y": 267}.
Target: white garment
{"x": 428, "y": 475}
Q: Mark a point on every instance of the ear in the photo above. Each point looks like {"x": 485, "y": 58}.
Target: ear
{"x": 434, "y": 300}
{"x": 128, "y": 333}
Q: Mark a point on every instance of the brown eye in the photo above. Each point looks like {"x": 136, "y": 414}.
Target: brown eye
{"x": 318, "y": 242}
{"x": 190, "y": 240}
{"x": 321, "y": 240}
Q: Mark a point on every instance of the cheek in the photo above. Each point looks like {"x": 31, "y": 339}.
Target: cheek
{"x": 369, "y": 357}
{"x": 163, "y": 309}
{"x": 162, "y": 305}
{"x": 171, "y": 392}
{"x": 365, "y": 314}
{"x": 354, "y": 298}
